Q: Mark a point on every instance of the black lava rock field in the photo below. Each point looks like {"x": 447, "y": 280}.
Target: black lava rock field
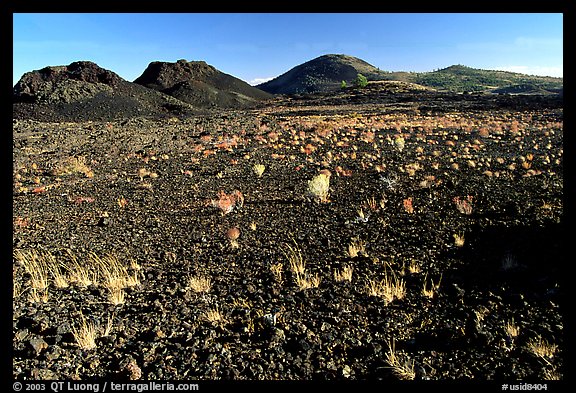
{"x": 360, "y": 236}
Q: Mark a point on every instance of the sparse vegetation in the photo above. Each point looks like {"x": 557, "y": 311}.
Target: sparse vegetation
{"x": 432, "y": 290}
{"x": 459, "y": 239}
{"x": 512, "y": 330}
{"x": 73, "y": 165}
{"x": 306, "y": 281}
{"x": 277, "y": 270}
{"x": 294, "y": 257}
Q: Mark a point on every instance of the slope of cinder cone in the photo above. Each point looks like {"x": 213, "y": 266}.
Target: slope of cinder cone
{"x": 200, "y": 85}
{"x": 322, "y": 74}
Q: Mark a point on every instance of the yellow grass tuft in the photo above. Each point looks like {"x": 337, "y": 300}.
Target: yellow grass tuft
{"x": 258, "y": 169}
{"x": 294, "y": 256}
{"x": 552, "y": 375}
{"x": 73, "y": 165}
{"x": 38, "y": 295}
{"x": 116, "y": 296}
{"x": 459, "y": 239}
{"x": 389, "y": 288}
{"x": 319, "y": 187}
{"x": 542, "y": 348}
{"x": 512, "y": 330}
{"x": 214, "y": 316}
{"x": 344, "y": 275}
{"x": 414, "y": 268}
{"x": 200, "y": 284}
{"x": 429, "y": 292}
{"x": 356, "y": 247}
{"x": 401, "y": 366}
{"x": 80, "y": 273}
{"x": 85, "y": 334}
{"x": 306, "y": 281}
{"x": 277, "y": 270}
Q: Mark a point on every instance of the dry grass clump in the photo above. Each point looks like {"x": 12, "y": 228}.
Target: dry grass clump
{"x": 258, "y": 169}
{"x": 116, "y": 296}
{"x": 319, "y": 187}
{"x": 542, "y": 348}
{"x": 356, "y": 247}
{"x": 370, "y": 203}
{"x": 37, "y": 265}
{"x": 512, "y": 330}
{"x": 73, "y": 165}
{"x": 114, "y": 273}
{"x": 429, "y": 292}
{"x": 42, "y": 266}
{"x": 85, "y": 334}
{"x": 552, "y": 375}
{"x": 38, "y": 295}
{"x": 344, "y": 275}
{"x": 80, "y": 273}
{"x": 459, "y": 239}
{"x": 214, "y": 316}
{"x": 298, "y": 267}
{"x": 277, "y": 270}
{"x": 414, "y": 268}
{"x": 307, "y": 281}
{"x": 401, "y": 366}
{"x": 389, "y": 288}
{"x": 294, "y": 256}
{"x": 200, "y": 284}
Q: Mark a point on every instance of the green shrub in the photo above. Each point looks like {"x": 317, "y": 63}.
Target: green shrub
{"x": 361, "y": 81}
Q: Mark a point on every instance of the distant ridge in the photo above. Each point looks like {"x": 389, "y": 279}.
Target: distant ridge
{"x": 200, "y": 85}
{"x": 326, "y": 73}
{"x": 459, "y": 78}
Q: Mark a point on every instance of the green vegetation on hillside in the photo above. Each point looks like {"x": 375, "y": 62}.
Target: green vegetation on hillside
{"x": 460, "y": 78}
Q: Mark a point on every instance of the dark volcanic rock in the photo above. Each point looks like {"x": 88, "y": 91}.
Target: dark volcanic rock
{"x": 200, "y": 84}
{"x": 79, "y": 80}
{"x": 85, "y": 91}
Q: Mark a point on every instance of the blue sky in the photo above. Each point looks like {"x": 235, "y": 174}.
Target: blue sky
{"x": 255, "y": 47}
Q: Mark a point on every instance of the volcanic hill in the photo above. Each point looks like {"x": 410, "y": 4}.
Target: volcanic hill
{"x": 322, "y": 74}
{"x": 200, "y": 84}
{"x": 83, "y": 90}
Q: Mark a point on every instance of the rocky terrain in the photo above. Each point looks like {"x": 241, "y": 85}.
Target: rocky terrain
{"x": 84, "y": 91}
{"x": 380, "y": 234}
